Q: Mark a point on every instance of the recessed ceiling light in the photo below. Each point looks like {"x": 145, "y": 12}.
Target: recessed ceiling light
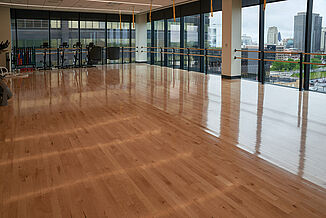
{"x": 71, "y": 8}
{"x": 127, "y": 3}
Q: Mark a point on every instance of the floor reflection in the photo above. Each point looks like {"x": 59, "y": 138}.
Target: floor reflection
{"x": 281, "y": 125}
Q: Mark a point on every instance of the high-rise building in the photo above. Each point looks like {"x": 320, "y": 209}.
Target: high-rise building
{"x": 272, "y": 35}
{"x": 323, "y": 40}
{"x": 215, "y": 30}
{"x": 299, "y": 31}
{"x": 246, "y": 40}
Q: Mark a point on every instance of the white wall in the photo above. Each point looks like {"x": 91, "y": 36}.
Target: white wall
{"x": 141, "y": 37}
{"x": 231, "y": 37}
{"x": 5, "y": 31}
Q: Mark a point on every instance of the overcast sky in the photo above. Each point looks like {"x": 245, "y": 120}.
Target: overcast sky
{"x": 281, "y": 15}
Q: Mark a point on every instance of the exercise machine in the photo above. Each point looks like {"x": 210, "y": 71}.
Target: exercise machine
{"x": 45, "y": 47}
{"x": 77, "y": 54}
{"x": 5, "y": 93}
{"x": 61, "y": 55}
{"x": 94, "y": 54}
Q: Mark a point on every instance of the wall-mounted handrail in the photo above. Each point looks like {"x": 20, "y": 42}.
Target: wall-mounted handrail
{"x": 213, "y": 49}
{"x": 309, "y": 63}
{"x": 314, "y": 54}
{"x": 272, "y": 52}
{"x": 176, "y": 48}
{"x": 128, "y": 47}
{"x": 164, "y": 50}
{"x": 300, "y": 61}
{"x": 252, "y": 59}
{"x": 213, "y": 56}
{"x": 236, "y": 50}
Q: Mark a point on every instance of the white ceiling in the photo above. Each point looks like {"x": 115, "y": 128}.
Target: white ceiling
{"x": 100, "y": 6}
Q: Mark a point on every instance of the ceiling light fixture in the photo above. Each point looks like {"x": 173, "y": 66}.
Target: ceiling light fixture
{"x": 127, "y": 3}
{"x": 59, "y": 7}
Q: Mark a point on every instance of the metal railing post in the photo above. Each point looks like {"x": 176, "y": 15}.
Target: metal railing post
{"x": 301, "y": 72}
{"x": 58, "y": 58}
{"x": 122, "y": 54}
{"x": 173, "y": 58}
{"x": 206, "y": 61}
{"x": 263, "y": 73}
{"x": 161, "y": 57}
{"x": 102, "y": 51}
{"x": 188, "y": 59}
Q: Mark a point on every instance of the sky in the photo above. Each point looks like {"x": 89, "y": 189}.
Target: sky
{"x": 279, "y": 14}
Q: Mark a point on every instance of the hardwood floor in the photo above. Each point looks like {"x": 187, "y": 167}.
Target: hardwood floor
{"x": 146, "y": 141}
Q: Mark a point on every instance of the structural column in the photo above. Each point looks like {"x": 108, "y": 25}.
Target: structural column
{"x": 231, "y": 38}
{"x": 141, "y": 38}
{"x": 5, "y": 33}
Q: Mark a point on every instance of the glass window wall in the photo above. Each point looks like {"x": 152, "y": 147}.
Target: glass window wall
{"x": 149, "y": 44}
{"x": 213, "y": 40}
{"x": 318, "y": 45}
{"x": 191, "y": 40}
{"x": 173, "y": 41}
{"x": 92, "y": 32}
{"x": 32, "y": 33}
{"x": 284, "y": 32}
{"x": 63, "y": 31}
{"x": 158, "y": 41}
{"x": 119, "y": 38}
{"x": 249, "y": 42}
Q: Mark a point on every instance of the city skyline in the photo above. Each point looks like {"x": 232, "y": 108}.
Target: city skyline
{"x": 279, "y": 14}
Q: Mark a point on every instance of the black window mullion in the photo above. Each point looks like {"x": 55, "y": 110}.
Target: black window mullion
{"x": 201, "y": 40}
{"x": 49, "y": 29}
{"x": 106, "y": 39}
{"x": 152, "y": 42}
{"x": 130, "y": 41}
{"x": 165, "y": 41}
{"x": 308, "y": 43}
{"x": 261, "y": 63}
{"x": 182, "y": 41}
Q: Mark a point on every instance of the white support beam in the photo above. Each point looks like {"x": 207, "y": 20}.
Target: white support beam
{"x": 141, "y": 38}
{"x": 231, "y": 37}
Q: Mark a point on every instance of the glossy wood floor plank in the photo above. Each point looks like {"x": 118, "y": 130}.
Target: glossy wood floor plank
{"x": 145, "y": 141}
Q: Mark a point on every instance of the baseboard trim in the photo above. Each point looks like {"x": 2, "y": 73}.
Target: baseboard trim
{"x": 230, "y": 77}
{"x": 141, "y": 62}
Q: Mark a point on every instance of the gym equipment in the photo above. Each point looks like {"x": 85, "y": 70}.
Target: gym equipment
{"x": 94, "y": 54}
{"x": 113, "y": 53}
{"x": 4, "y": 72}
{"x": 45, "y": 47}
{"x": 4, "y": 45}
{"x": 61, "y": 55}
{"x": 5, "y": 92}
{"x": 24, "y": 57}
{"x": 3, "y": 48}
{"x": 77, "y": 54}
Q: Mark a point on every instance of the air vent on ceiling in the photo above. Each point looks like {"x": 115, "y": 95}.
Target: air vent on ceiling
{"x": 113, "y": 4}
{"x": 54, "y": 1}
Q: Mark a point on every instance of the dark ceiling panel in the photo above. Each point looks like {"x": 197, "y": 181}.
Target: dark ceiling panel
{"x": 41, "y": 14}
{"x": 64, "y": 15}
{"x": 197, "y": 7}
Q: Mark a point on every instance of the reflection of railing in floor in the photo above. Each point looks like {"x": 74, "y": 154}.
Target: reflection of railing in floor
{"x": 191, "y": 60}
{"x": 34, "y": 57}
{"x": 302, "y": 62}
